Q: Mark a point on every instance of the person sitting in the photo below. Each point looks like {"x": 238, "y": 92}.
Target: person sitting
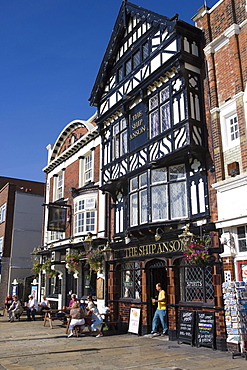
{"x": 73, "y": 299}
{"x": 90, "y": 303}
{"x": 8, "y": 302}
{"x": 15, "y": 310}
{"x": 44, "y": 305}
{"x": 96, "y": 321}
{"x": 77, "y": 314}
{"x": 32, "y": 306}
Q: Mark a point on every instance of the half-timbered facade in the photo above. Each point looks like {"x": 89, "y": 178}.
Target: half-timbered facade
{"x": 148, "y": 93}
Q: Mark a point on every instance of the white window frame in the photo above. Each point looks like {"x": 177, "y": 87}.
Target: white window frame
{"x": 1, "y": 246}
{"x": 84, "y": 212}
{"x": 3, "y": 213}
{"x": 228, "y": 112}
{"x": 88, "y": 168}
{"x": 86, "y": 173}
{"x": 58, "y": 185}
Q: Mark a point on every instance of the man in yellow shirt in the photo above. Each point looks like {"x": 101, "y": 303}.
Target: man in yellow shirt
{"x": 160, "y": 313}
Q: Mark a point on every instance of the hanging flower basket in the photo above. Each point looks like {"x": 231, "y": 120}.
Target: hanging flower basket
{"x": 37, "y": 268}
{"x": 51, "y": 274}
{"x": 46, "y": 267}
{"x": 197, "y": 252}
{"x": 72, "y": 263}
{"x": 95, "y": 260}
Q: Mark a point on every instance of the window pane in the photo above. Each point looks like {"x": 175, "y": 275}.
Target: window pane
{"x": 120, "y": 74}
{"x": 133, "y": 184}
{"x": 128, "y": 67}
{"x": 143, "y": 179}
{"x": 159, "y": 203}
{"x": 178, "y": 202}
{"x": 159, "y": 175}
{"x": 90, "y": 221}
{"x": 234, "y": 128}
{"x": 136, "y": 59}
{"x": 133, "y": 210}
{"x": 124, "y": 137}
{"x": 153, "y": 102}
{"x": 154, "y": 124}
{"x": 143, "y": 206}
{"x": 123, "y": 124}
{"x": 242, "y": 242}
{"x": 165, "y": 116}
{"x": 145, "y": 51}
{"x": 177, "y": 172}
{"x": 164, "y": 94}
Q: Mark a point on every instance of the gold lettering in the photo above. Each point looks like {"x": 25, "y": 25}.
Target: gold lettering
{"x": 159, "y": 250}
{"x": 138, "y": 132}
{"x": 171, "y": 246}
{"x": 137, "y": 124}
{"x": 137, "y": 115}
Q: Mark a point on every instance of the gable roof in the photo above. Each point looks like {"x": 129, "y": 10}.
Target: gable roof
{"x": 127, "y": 9}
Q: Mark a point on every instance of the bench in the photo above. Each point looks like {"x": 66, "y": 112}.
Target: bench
{"x": 51, "y": 315}
{"x": 110, "y": 322}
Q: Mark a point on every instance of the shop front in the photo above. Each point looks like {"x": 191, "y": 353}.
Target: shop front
{"x": 135, "y": 271}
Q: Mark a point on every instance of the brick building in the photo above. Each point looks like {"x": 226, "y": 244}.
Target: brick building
{"x": 148, "y": 93}
{"x": 74, "y": 217}
{"x": 225, "y": 30}
{"x": 20, "y": 229}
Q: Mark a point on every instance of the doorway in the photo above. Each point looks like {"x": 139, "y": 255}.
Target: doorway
{"x": 156, "y": 273}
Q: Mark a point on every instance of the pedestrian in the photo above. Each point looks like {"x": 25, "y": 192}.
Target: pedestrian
{"x": 160, "y": 313}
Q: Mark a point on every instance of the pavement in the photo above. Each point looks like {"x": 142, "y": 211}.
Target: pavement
{"x": 29, "y": 345}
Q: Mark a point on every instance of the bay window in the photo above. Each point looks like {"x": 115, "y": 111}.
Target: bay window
{"x": 85, "y": 215}
{"x": 162, "y": 193}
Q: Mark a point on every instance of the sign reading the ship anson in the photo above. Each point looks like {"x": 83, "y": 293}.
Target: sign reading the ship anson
{"x": 156, "y": 248}
{"x": 138, "y": 126}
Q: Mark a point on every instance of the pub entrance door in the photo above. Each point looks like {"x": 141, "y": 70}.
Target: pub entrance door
{"x": 156, "y": 273}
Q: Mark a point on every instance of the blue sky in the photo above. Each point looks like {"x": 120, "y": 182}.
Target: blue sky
{"x": 51, "y": 51}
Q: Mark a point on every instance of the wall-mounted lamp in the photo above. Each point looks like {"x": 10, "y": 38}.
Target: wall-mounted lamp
{"x": 127, "y": 239}
{"x": 107, "y": 252}
{"x": 158, "y": 234}
{"x": 227, "y": 239}
{"x": 88, "y": 242}
{"x": 186, "y": 235}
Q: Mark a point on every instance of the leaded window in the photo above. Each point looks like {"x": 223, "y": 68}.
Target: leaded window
{"x": 196, "y": 284}
{"x": 120, "y": 139}
{"x": 131, "y": 280}
{"x": 136, "y": 59}
{"x": 138, "y": 200}
{"x": 145, "y": 50}
{"x": 159, "y": 112}
{"x": 163, "y": 191}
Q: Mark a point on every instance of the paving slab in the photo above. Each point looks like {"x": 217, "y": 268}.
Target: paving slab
{"x": 28, "y": 345}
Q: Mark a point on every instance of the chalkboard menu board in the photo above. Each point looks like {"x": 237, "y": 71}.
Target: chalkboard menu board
{"x": 186, "y": 326}
{"x": 205, "y": 329}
